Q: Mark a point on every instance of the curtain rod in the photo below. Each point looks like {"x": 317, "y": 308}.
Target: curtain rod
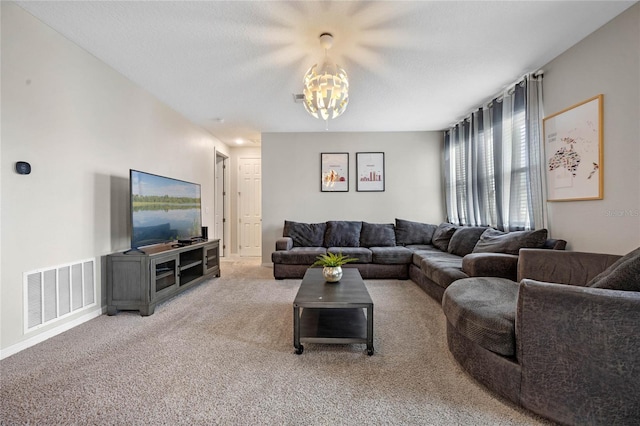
{"x": 511, "y": 87}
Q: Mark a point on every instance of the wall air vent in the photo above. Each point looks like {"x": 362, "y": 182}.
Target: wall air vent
{"x": 53, "y": 293}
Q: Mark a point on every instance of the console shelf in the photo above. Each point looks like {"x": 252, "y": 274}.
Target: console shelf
{"x": 139, "y": 281}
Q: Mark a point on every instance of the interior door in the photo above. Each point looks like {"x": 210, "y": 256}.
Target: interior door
{"x": 250, "y": 207}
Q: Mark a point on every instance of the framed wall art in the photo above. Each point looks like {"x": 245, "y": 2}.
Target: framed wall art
{"x": 370, "y": 171}
{"x": 334, "y": 172}
{"x": 573, "y": 152}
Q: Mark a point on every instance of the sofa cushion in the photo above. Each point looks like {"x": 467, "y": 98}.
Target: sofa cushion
{"x": 442, "y": 268}
{"x": 464, "y": 239}
{"x": 377, "y": 235}
{"x": 422, "y": 248}
{"x": 298, "y": 255}
{"x": 494, "y": 241}
{"x": 420, "y": 255}
{"x": 408, "y": 232}
{"x": 363, "y": 254}
{"x": 419, "y": 251}
{"x": 484, "y": 311}
{"x": 391, "y": 255}
{"x": 624, "y": 274}
{"x": 442, "y": 235}
{"x": 342, "y": 233}
{"x": 305, "y": 234}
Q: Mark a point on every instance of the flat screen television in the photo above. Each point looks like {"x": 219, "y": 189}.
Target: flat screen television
{"x": 163, "y": 209}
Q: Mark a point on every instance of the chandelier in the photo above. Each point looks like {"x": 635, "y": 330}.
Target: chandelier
{"x": 326, "y": 88}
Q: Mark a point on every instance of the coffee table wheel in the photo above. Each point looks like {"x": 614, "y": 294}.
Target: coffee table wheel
{"x": 370, "y": 351}
{"x": 299, "y": 350}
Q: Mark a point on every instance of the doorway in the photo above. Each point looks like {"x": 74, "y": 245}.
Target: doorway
{"x": 220, "y": 216}
{"x": 250, "y": 207}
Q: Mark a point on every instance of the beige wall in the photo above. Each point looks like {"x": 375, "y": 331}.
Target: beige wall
{"x": 607, "y": 62}
{"x": 291, "y": 180}
{"x": 82, "y": 126}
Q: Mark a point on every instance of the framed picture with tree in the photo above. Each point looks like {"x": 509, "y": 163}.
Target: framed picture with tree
{"x": 334, "y": 172}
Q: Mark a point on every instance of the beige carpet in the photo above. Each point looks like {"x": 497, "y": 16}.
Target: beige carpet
{"x": 222, "y": 353}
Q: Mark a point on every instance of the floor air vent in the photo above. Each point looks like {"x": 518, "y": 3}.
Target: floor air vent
{"x": 55, "y": 292}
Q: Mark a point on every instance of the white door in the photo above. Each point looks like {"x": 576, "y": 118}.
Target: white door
{"x": 250, "y": 206}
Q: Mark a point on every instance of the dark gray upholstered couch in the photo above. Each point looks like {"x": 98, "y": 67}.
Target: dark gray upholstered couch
{"x": 563, "y": 340}
{"x": 432, "y": 255}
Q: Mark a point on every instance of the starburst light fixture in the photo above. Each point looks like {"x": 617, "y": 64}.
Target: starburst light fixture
{"x": 326, "y": 88}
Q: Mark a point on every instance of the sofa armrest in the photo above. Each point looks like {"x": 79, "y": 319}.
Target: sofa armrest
{"x": 491, "y": 265}
{"x": 284, "y": 243}
{"x": 563, "y": 267}
{"x": 578, "y": 349}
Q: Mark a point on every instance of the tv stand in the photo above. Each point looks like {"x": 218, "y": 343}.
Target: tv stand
{"x": 140, "y": 281}
{"x": 134, "y": 250}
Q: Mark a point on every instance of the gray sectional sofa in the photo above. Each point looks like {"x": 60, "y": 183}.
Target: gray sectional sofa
{"x": 432, "y": 255}
{"x": 562, "y": 340}
{"x": 553, "y": 331}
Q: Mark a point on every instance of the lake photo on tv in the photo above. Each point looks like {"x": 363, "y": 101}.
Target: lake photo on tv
{"x": 163, "y": 209}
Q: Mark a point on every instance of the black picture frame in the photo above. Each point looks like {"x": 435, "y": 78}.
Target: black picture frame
{"x": 334, "y": 172}
{"x": 370, "y": 172}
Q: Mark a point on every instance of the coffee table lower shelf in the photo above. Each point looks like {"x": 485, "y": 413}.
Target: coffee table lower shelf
{"x": 333, "y": 325}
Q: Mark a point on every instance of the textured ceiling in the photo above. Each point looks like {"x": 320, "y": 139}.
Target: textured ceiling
{"x": 413, "y": 65}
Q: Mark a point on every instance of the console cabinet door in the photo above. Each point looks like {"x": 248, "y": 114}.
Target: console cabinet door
{"x": 212, "y": 258}
{"x": 164, "y": 276}
{"x": 127, "y": 283}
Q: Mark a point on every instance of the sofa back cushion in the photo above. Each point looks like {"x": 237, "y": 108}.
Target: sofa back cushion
{"x": 442, "y": 235}
{"x": 377, "y": 235}
{"x": 624, "y": 274}
{"x": 411, "y": 233}
{"x": 305, "y": 234}
{"x": 342, "y": 233}
{"x": 464, "y": 240}
{"x": 494, "y": 241}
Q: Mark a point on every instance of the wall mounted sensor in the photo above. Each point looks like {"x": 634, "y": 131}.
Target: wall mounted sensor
{"x": 23, "y": 168}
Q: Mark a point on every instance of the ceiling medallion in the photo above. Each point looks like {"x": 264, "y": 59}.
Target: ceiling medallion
{"x": 326, "y": 88}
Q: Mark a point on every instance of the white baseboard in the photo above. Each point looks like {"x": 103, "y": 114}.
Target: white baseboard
{"x": 41, "y": 337}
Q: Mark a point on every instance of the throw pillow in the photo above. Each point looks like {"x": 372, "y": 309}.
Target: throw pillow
{"x": 464, "y": 240}
{"x": 442, "y": 235}
{"x": 305, "y": 234}
{"x": 377, "y": 235}
{"x": 494, "y": 241}
{"x": 408, "y": 232}
{"x": 342, "y": 233}
{"x": 624, "y": 274}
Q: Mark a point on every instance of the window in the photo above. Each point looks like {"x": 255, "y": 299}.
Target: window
{"x": 488, "y": 165}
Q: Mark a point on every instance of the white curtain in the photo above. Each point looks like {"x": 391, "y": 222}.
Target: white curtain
{"x": 492, "y": 162}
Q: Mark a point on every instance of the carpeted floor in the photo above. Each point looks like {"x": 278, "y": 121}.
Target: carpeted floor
{"x": 222, "y": 353}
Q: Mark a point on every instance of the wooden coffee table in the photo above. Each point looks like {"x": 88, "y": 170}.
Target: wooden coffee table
{"x": 332, "y": 312}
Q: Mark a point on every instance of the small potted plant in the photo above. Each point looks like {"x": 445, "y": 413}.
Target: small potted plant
{"x": 332, "y": 265}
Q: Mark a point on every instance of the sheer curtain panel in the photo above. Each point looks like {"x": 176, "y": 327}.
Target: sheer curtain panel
{"x": 492, "y": 162}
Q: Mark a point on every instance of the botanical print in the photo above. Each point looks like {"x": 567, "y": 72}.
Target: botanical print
{"x": 573, "y": 148}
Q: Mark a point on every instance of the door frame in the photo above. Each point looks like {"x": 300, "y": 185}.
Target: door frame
{"x": 221, "y": 195}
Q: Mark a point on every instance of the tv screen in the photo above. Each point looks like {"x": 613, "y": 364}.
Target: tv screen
{"x": 163, "y": 209}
